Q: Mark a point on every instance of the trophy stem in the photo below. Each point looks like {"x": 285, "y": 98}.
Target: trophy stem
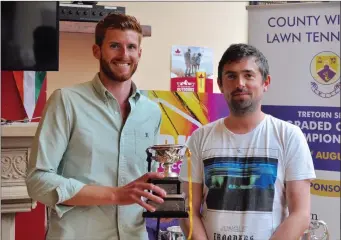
{"x": 168, "y": 170}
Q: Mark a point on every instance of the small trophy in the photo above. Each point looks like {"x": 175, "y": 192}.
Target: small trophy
{"x": 310, "y": 234}
{"x": 174, "y": 202}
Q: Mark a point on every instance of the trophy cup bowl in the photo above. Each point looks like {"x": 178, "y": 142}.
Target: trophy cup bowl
{"x": 310, "y": 233}
{"x": 168, "y": 155}
{"x": 174, "y": 202}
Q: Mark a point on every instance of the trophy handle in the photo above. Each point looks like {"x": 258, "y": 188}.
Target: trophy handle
{"x": 149, "y": 159}
{"x": 147, "y": 150}
{"x": 317, "y": 225}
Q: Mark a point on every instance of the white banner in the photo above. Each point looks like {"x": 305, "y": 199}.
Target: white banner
{"x": 302, "y": 44}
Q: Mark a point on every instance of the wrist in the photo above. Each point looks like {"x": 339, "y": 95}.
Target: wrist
{"x": 113, "y": 196}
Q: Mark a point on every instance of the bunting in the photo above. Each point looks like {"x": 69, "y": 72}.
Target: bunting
{"x": 29, "y": 84}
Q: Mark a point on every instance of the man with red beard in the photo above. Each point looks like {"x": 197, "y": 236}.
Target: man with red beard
{"x": 88, "y": 160}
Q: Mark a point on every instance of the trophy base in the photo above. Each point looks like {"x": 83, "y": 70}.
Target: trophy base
{"x": 165, "y": 214}
{"x": 172, "y": 207}
{"x": 171, "y": 185}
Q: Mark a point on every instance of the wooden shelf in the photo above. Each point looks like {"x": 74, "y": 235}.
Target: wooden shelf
{"x": 19, "y": 130}
{"x": 89, "y": 27}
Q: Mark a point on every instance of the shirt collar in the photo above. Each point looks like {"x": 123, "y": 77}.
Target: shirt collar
{"x": 104, "y": 93}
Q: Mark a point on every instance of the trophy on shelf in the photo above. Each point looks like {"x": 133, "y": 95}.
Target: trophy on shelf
{"x": 174, "y": 202}
{"x": 310, "y": 234}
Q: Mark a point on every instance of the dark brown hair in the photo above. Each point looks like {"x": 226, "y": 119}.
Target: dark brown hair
{"x": 237, "y": 52}
{"x": 116, "y": 21}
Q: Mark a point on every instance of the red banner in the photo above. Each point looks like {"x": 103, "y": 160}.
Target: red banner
{"x": 191, "y": 84}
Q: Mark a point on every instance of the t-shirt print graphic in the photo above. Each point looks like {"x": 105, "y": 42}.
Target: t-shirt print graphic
{"x": 240, "y": 183}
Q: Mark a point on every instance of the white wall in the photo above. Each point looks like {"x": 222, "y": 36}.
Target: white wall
{"x": 208, "y": 24}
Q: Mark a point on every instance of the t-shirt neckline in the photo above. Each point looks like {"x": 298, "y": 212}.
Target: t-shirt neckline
{"x": 244, "y": 134}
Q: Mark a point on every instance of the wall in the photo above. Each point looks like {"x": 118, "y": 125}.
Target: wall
{"x": 215, "y": 25}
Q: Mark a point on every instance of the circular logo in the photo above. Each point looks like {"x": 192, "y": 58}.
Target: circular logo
{"x": 325, "y": 68}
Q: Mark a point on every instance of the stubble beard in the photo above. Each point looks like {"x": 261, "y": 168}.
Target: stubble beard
{"x": 241, "y": 108}
{"x": 105, "y": 68}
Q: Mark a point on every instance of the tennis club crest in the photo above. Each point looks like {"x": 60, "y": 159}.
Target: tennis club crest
{"x": 325, "y": 69}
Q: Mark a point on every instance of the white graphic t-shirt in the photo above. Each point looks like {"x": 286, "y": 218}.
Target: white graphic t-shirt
{"x": 244, "y": 176}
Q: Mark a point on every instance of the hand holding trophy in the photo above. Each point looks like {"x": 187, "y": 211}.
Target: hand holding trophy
{"x": 135, "y": 191}
{"x": 174, "y": 205}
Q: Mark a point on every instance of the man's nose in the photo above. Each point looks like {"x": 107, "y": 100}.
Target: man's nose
{"x": 240, "y": 81}
{"x": 123, "y": 51}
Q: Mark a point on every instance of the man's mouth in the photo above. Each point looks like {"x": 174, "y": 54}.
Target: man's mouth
{"x": 122, "y": 64}
{"x": 240, "y": 94}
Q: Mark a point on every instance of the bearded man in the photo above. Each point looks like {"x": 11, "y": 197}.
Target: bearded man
{"x": 88, "y": 160}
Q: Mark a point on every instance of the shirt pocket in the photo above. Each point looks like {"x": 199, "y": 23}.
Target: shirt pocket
{"x": 144, "y": 138}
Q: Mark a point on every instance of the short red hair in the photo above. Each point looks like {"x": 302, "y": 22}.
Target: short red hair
{"x": 116, "y": 21}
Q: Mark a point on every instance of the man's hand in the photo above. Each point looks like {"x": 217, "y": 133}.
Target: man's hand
{"x": 131, "y": 193}
{"x": 134, "y": 191}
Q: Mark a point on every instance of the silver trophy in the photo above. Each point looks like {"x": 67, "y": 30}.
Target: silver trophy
{"x": 318, "y": 230}
{"x": 172, "y": 233}
{"x": 174, "y": 202}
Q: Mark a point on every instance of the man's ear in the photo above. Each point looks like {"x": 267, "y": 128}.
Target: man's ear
{"x": 140, "y": 52}
{"x": 267, "y": 83}
{"x": 96, "y": 51}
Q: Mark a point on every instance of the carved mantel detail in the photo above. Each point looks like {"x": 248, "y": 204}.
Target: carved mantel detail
{"x": 16, "y": 141}
{"x": 13, "y": 166}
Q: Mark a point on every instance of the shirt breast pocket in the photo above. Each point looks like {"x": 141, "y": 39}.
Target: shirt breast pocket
{"x": 144, "y": 138}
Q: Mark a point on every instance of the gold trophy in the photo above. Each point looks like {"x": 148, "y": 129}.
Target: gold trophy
{"x": 174, "y": 202}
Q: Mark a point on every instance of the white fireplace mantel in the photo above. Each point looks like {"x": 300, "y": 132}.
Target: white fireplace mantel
{"x": 16, "y": 141}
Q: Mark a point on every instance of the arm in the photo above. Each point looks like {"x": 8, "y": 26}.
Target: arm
{"x": 126, "y": 195}
{"x": 49, "y": 144}
{"x": 298, "y": 198}
{"x": 199, "y": 232}
{"x": 198, "y": 229}
{"x": 299, "y": 170}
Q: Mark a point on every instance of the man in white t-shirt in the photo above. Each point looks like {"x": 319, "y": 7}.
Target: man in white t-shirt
{"x": 251, "y": 172}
